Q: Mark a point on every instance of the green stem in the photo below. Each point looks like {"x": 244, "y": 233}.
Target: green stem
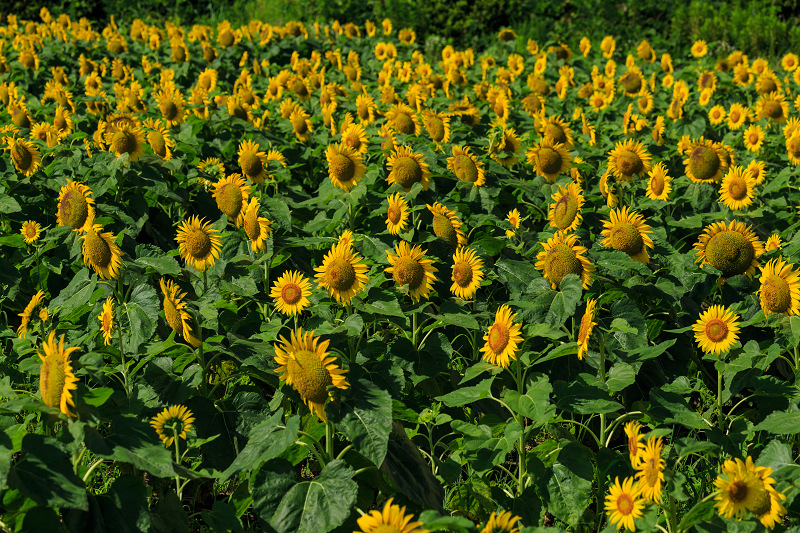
{"x": 124, "y": 363}
{"x": 91, "y": 469}
{"x": 329, "y": 432}
{"x": 205, "y": 281}
{"x": 719, "y": 400}
{"x": 414, "y": 329}
{"x": 178, "y": 488}
{"x": 521, "y": 466}
{"x": 602, "y": 438}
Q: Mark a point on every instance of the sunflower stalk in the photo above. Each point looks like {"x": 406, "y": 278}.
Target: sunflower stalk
{"x": 329, "y": 434}
{"x": 602, "y": 375}
{"x": 521, "y": 466}
{"x": 178, "y": 488}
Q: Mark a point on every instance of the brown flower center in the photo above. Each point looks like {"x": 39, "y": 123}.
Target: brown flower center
{"x": 629, "y": 163}
{"x": 625, "y": 504}
{"x": 626, "y": 238}
{"x": 96, "y": 249}
{"x": 124, "y": 142}
{"x": 157, "y": 143}
{"x": 443, "y": 227}
{"x": 775, "y": 295}
{"x": 342, "y": 168}
{"x": 737, "y": 188}
{"x": 555, "y": 133}
{"x": 291, "y": 293}
{"x": 340, "y": 274}
{"x": 498, "y": 338}
{"x": 309, "y": 376}
{"x": 435, "y": 127}
{"x": 73, "y": 209}
{"x": 52, "y": 380}
{"x": 549, "y": 161}
{"x": 565, "y": 211}
{"x": 23, "y": 158}
{"x": 198, "y": 243}
{"x": 406, "y": 171}
{"x": 560, "y": 261}
{"x": 408, "y": 271}
{"x": 251, "y": 164}
{"x": 716, "y": 330}
{"x": 393, "y": 214}
{"x": 462, "y": 274}
{"x": 704, "y": 163}
{"x": 403, "y": 123}
{"x": 737, "y": 491}
{"x": 299, "y": 124}
{"x": 465, "y": 169}
{"x": 229, "y": 199}
{"x": 730, "y": 252}
{"x": 657, "y": 184}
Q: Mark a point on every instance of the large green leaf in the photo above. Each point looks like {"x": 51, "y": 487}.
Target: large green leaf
{"x": 365, "y": 418}
{"x": 535, "y": 403}
{"x": 130, "y": 440}
{"x": 465, "y": 395}
{"x": 570, "y": 486}
{"x": 584, "y": 395}
{"x": 565, "y": 301}
{"x": 787, "y": 423}
{"x": 139, "y": 317}
{"x": 267, "y": 440}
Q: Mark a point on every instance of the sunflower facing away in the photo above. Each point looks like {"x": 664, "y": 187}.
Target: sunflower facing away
{"x": 628, "y": 158}
{"x": 466, "y": 166}
{"x": 256, "y": 227}
{"x": 563, "y": 255}
{"x": 716, "y": 330}
{"x": 650, "y": 470}
{"x": 75, "y": 206}
{"x": 345, "y": 166}
{"x": 587, "y": 325}
{"x": 628, "y": 232}
{"x": 107, "y": 320}
{"x": 502, "y": 339}
{"x": 565, "y": 211}
{"x": 342, "y": 273}
{"x": 306, "y": 365}
{"x": 101, "y": 252}
{"x": 397, "y": 214}
{"x": 623, "y": 504}
{"x": 290, "y": 293}
{"x": 633, "y": 440}
{"x": 198, "y": 242}
{"x": 231, "y": 194}
{"x": 171, "y": 423}
{"x": 56, "y": 380}
{"x": 407, "y": 168}
{"x": 733, "y": 248}
{"x": 780, "y": 288}
{"x": 504, "y": 522}
{"x": 30, "y": 231}
{"x": 446, "y": 225}
{"x": 175, "y": 311}
{"x": 25, "y": 155}
{"x": 27, "y": 313}
{"x": 550, "y": 159}
{"x": 467, "y": 273}
{"x": 393, "y": 519}
{"x": 410, "y": 267}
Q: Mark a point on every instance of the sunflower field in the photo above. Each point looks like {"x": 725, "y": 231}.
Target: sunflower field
{"x": 307, "y": 279}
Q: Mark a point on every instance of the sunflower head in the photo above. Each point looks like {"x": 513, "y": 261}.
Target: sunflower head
{"x": 732, "y": 249}
{"x": 447, "y": 225}
{"x": 466, "y": 166}
{"x": 56, "y": 380}
{"x": 780, "y": 288}
{"x": 345, "y": 166}
{"x": 198, "y": 242}
{"x": 716, "y": 330}
{"x": 467, "y": 273}
{"x": 705, "y": 162}
{"x": 563, "y": 255}
{"x": 172, "y": 423}
{"x": 409, "y": 267}
{"x": 101, "y": 252}
{"x": 565, "y": 211}
{"x": 408, "y": 168}
{"x": 231, "y": 193}
{"x": 627, "y": 232}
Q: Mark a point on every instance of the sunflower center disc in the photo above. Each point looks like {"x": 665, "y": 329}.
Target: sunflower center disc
{"x": 734, "y": 116}
{"x": 291, "y": 293}
{"x": 586, "y": 320}
{"x": 247, "y": 97}
{"x": 549, "y": 161}
{"x": 626, "y": 238}
{"x": 60, "y": 122}
{"x": 633, "y": 445}
{"x": 251, "y": 225}
{"x": 251, "y": 164}
{"x": 341, "y": 274}
{"x": 657, "y": 185}
{"x": 793, "y": 145}
{"x": 226, "y": 39}
{"x": 435, "y": 127}
{"x": 407, "y": 172}
{"x": 716, "y": 330}
{"x": 299, "y": 124}
{"x": 560, "y": 261}
{"x": 124, "y": 142}
{"x": 730, "y": 252}
{"x": 776, "y": 295}
{"x": 298, "y": 86}
{"x": 363, "y": 112}
{"x": 51, "y": 381}
{"x": 96, "y": 249}
{"x": 353, "y": 140}
{"x": 651, "y": 472}
{"x": 404, "y": 124}
{"x": 762, "y": 503}
{"x": 704, "y": 163}
{"x": 773, "y": 109}
{"x": 169, "y": 110}
{"x": 556, "y": 133}
{"x": 767, "y": 86}
{"x": 157, "y": 143}
{"x": 498, "y": 338}
{"x": 408, "y": 271}
{"x": 443, "y": 227}
{"x": 393, "y": 214}
{"x": 624, "y": 504}
{"x": 462, "y": 274}
{"x": 738, "y": 491}
{"x": 629, "y": 163}
{"x": 737, "y": 189}
{"x": 198, "y": 243}
{"x": 173, "y": 316}
{"x": 753, "y": 138}
{"x": 532, "y": 104}
{"x": 465, "y": 169}
{"x": 342, "y": 167}
{"x": 631, "y": 83}
{"x": 565, "y": 212}
{"x": 229, "y": 199}
{"x": 22, "y": 156}
{"x": 238, "y": 111}
{"x": 27, "y": 59}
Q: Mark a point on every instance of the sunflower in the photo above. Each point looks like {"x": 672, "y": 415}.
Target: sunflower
{"x": 733, "y": 248}
{"x": 466, "y": 166}
{"x": 467, "y": 273}
{"x": 101, "y": 252}
{"x": 342, "y": 273}
{"x": 24, "y": 155}
{"x": 126, "y": 139}
{"x": 62, "y": 120}
{"x": 628, "y": 232}
{"x": 172, "y": 105}
{"x": 301, "y": 125}
{"x": 768, "y": 511}
{"x": 753, "y": 138}
{"x": 159, "y": 139}
{"x": 407, "y": 168}
{"x": 290, "y": 293}
{"x": 628, "y": 158}
{"x": 107, "y": 320}
{"x": 699, "y": 48}
{"x": 231, "y": 194}
{"x": 739, "y": 488}
{"x": 437, "y": 126}
{"x": 659, "y": 186}
{"x": 504, "y": 149}
{"x": 25, "y": 315}
{"x": 252, "y": 161}
{"x": 793, "y": 148}
{"x": 31, "y": 231}
{"x": 172, "y": 423}
{"x": 716, "y": 330}
{"x": 354, "y": 136}
{"x": 502, "y": 339}
{"x": 175, "y": 311}
{"x": 56, "y": 380}
{"x": 587, "y": 325}
{"x": 632, "y": 81}
{"x": 773, "y": 242}
{"x": 772, "y": 106}
{"x": 624, "y": 504}
{"x": 634, "y": 441}
{"x": 504, "y": 522}
{"x": 706, "y": 161}
{"x": 557, "y": 130}
{"x": 737, "y": 189}
{"x": 650, "y": 470}
{"x": 410, "y": 267}
{"x": 393, "y": 518}
{"x": 306, "y": 365}
{"x": 780, "y": 288}
{"x": 256, "y": 227}
{"x": 47, "y": 133}
{"x": 365, "y": 108}
{"x": 345, "y": 166}
{"x": 198, "y": 242}
{"x": 403, "y": 119}
{"x": 447, "y": 225}
{"x": 550, "y": 159}
{"x": 565, "y": 211}
{"x": 561, "y": 256}
{"x": 737, "y": 115}
{"x": 397, "y": 215}
{"x": 716, "y": 115}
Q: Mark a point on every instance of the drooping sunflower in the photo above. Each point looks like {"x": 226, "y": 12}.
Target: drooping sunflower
{"x": 780, "y": 288}
{"x": 306, "y": 365}
{"x": 737, "y": 189}
{"x": 466, "y": 166}
{"x": 628, "y": 158}
{"x": 403, "y": 119}
{"x": 24, "y": 155}
{"x": 633, "y": 440}
{"x": 624, "y": 504}
{"x": 345, "y": 166}
{"x": 732, "y": 248}
{"x": 650, "y": 470}
{"x": 716, "y": 330}
{"x": 30, "y": 231}
{"x": 159, "y": 139}
{"x": 467, "y": 273}
{"x": 290, "y": 293}
{"x": 101, "y": 252}
{"x": 107, "y": 320}
{"x": 502, "y": 339}
{"x": 56, "y": 380}
{"x": 198, "y": 242}
{"x": 659, "y": 187}
{"x": 563, "y": 255}
{"x": 437, "y": 126}
{"x": 706, "y": 161}
{"x": 393, "y": 518}
{"x": 793, "y": 148}
{"x": 550, "y": 159}
{"x": 176, "y": 313}
{"x": 504, "y": 522}
{"x": 252, "y": 161}
{"x": 447, "y": 225}
{"x": 505, "y": 147}
{"x": 565, "y": 211}
{"x": 25, "y": 315}
{"x": 342, "y": 273}
{"x": 256, "y": 227}
{"x": 301, "y": 125}
{"x": 628, "y": 232}
{"x": 397, "y": 215}
{"x": 407, "y": 168}
{"x": 410, "y": 267}
{"x": 772, "y": 106}
{"x": 231, "y": 194}
{"x": 739, "y": 488}
{"x": 171, "y": 423}
{"x": 754, "y": 138}
{"x": 587, "y": 325}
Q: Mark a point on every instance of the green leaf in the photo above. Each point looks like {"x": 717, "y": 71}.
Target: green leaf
{"x": 465, "y": 395}
{"x": 481, "y": 447}
{"x": 516, "y": 274}
{"x": 97, "y": 397}
{"x": 584, "y": 395}
{"x": 409, "y": 472}
{"x": 621, "y": 325}
{"x": 268, "y": 440}
{"x": 150, "y": 256}
{"x": 133, "y": 441}
{"x": 365, "y": 418}
{"x": 456, "y": 315}
{"x": 433, "y": 521}
{"x": 570, "y": 486}
{"x": 620, "y": 376}
{"x": 77, "y": 293}
{"x": 124, "y": 506}
{"x": 279, "y": 212}
{"x": 671, "y": 408}
{"x": 535, "y": 403}
{"x": 9, "y": 204}
{"x": 776, "y": 455}
{"x": 565, "y": 301}
{"x": 380, "y": 302}
{"x": 222, "y": 518}
{"x": 780, "y": 423}
{"x": 139, "y": 317}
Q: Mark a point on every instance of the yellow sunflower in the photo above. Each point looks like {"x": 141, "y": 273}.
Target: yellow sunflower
{"x": 773, "y": 242}
{"x": 768, "y": 511}
{"x": 628, "y": 158}
{"x": 659, "y": 187}
{"x": 699, "y": 48}
{"x": 737, "y": 115}
{"x": 505, "y": 147}
{"x": 393, "y": 518}
{"x": 397, "y": 215}
{"x": 737, "y": 189}
{"x": 467, "y": 273}
{"x": 732, "y": 249}
{"x": 754, "y": 138}
{"x": 772, "y": 106}
{"x": 706, "y": 161}
{"x": 301, "y": 125}
{"x": 437, "y": 126}
{"x": 557, "y": 130}
{"x": 256, "y": 227}
{"x": 345, "y": 166}
{"x": 624, "y": 504}
{"x": 403, "y": 119}
{"x": 342, "y": 273}
{"x": 198, "y": 242}
{"x": 56, "y": 380}
{"x": 290, "y": 293}
{"x": 365, "y": 109}
{"x": 231, "y": 194}
{"x": 563, "y": 255}
{"x": 159, "y": 139}
{"x": 126, "y": 139}
{"x": 632, "y": 81}
{"x": 252, "y": 161}
{"x": 176, "y": 311}
{"x": 793, "y": 148}
{"x": 172, "y": 105}
{"x": 410, "y": 267}
{"x": 565, "y": 211}
{"x": 101, "y": 252}
{"x": 306, "y": 365}
{"x": 587, "y": 325}
{"x": 25, "y": 315}
{"x": 504, "y": 522}
{"x": 30, "y": 231}
{"x": 447, "y": 225}
{"x": 716, "y": 330}
{"x": 628, "y": 232}
{"x": 502, "y": 339}
{"x": 172, "y": 423}
{"x": 550, "y": 159}
{"x": 780, "y": 288}
{"x": 407, "y": 168}
{"x": 739, "y": 488}
{"x": 466, "y": 166}
{"x": 107, "y": 320}
{"x": 633, "y": 440}
{"x": 650, "y": 470}
{"x": 716, "y": 115}
{"x": 24, "y": 155}
{"x": 354, "y": 136}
